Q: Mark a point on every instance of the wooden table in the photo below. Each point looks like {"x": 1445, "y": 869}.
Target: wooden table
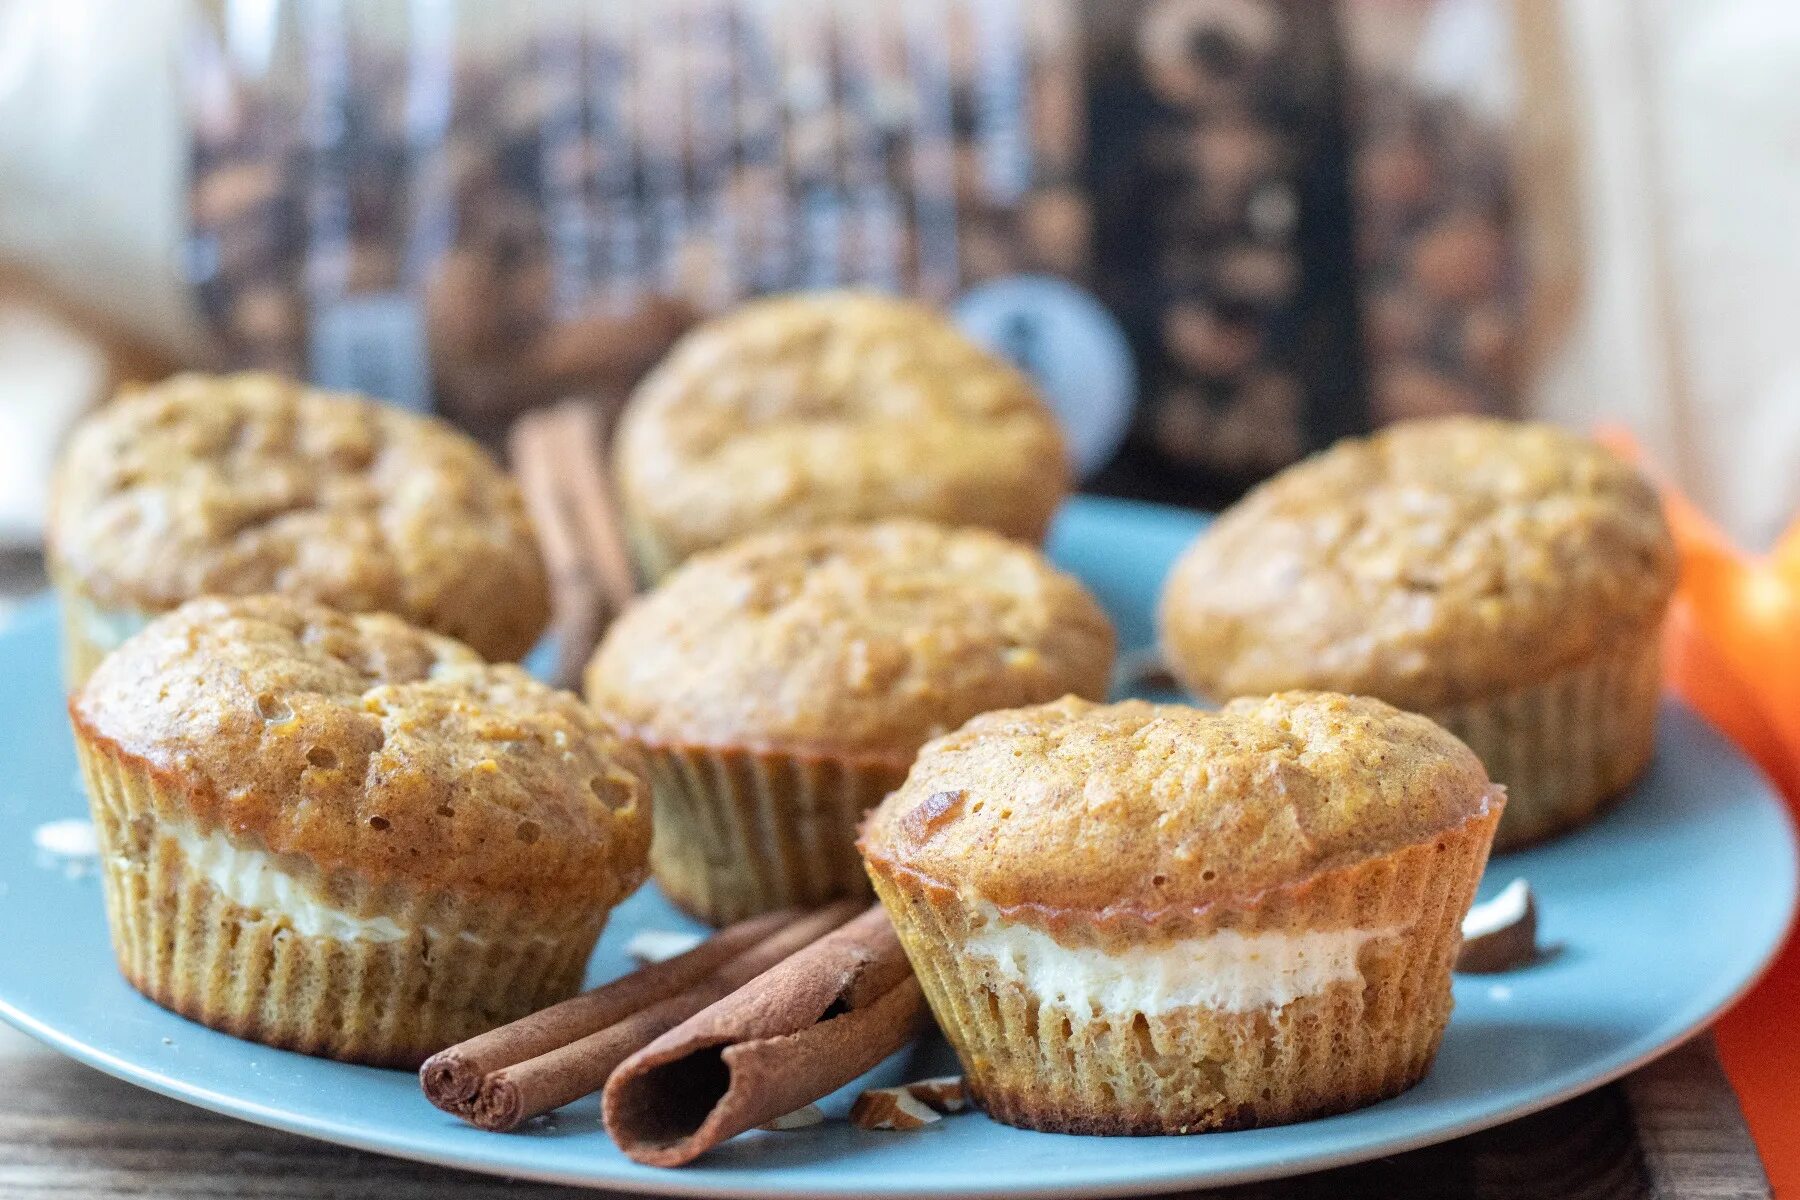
{"x": 1672, "y": 1131}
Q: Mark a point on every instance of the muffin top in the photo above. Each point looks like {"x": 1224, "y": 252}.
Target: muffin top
{"x": 1434, "y": 563}
{"x": 370, "y": 746}
{"x": 859, "y": 640}
{"x": 1152, "y": 809}
{"x": 835, "y": 406}
{"x": 242, "y": 484}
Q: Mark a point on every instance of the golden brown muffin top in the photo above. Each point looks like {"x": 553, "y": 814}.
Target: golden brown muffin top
{"x": 822, "y": 407}
{"x": 251, "y": 483}
{"x": 1147, "y": 810}
{"x": 373, "y": 747}
{"x": 859, "y": 640}
{"x": 1437, "y": 562}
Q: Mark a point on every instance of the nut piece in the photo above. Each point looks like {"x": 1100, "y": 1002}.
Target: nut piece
{"x": 1500, "y": 934}
{"x": 911, "y": 1106}
{"x": 891, "y": 1109}
{"x": 800, "y": 1118}
{"x": 660, "y": 945}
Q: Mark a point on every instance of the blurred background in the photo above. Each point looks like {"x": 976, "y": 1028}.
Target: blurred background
{"x": 1220, "y": 232}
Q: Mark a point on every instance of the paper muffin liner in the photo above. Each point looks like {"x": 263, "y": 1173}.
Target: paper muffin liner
{"x": 90, "y": 632}
{"x": 1564, "y": 747}
{"x": 1039, "y": 1064}
{"x": 461, "y": 967}
{"x": 741, "y": 832}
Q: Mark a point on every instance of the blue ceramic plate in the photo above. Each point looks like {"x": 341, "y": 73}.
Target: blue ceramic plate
{"x": 1660, "y": 915}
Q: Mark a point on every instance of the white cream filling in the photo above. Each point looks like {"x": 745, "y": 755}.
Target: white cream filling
{"x": 251, "y": 879}
{"x": 1228, "y": 970}
{"x": 110, "y": 628}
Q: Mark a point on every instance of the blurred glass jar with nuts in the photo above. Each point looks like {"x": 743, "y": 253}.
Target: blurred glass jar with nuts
{"x": 1295, "y": 219}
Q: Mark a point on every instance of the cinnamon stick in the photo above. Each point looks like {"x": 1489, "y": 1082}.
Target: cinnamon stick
{"x": 509, "y": 1097}
{"x": 587, "y": 478}
{"x": 559, "y": 456}
{"x": 795, "y": 1033}
{"x": 575, "y": 598}
{"x": 452, "y": 1077}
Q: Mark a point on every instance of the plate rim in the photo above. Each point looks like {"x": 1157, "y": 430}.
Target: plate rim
{"x": 1676, "y": 1031}
{"x": 1153, "y": 1176}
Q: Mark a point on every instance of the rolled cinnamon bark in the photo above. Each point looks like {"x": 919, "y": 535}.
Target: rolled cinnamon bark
{"x": 452, "y": 1077}
{"x": 795, "y": 1033}
{"x": 587, "y": 476}
{"x": 559, "y": 457}
{"x": 577, "y": 601}
{"x": 512, "y": 1095}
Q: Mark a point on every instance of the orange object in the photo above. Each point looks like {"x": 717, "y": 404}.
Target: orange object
{"x": 1746, "y": 682}
{"x": 1697, "y": 671}
{"x": 1752, "y": 613}
{"x": 1734, "y": 614}
{"x": 1762, "y": 1059}
{"x": 1732, "y": 650}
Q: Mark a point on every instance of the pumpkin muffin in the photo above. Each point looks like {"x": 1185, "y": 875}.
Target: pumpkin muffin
{"x": 244, "y": 484}
{"x": 1142, "y": 918}
{"x": 1507, "y": 580}
{"x": 825, "y": 407}
{"x": 780, "y": 687}
{"x": 346, "y": 836}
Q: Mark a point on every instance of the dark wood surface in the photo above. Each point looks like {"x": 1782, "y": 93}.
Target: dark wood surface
{"x": 1671, "y": 1132}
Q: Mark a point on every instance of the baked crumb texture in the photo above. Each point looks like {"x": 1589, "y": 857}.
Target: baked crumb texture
{"x": 814, "y": 408}
{"x": 1508, "y": 580}
{"x": 781, "y": 686}
{"x": 1321, "y": 849}
{"x": 252, "y": 483}
{"x": 865, "y": 640}
{"x": 343, "y": 835}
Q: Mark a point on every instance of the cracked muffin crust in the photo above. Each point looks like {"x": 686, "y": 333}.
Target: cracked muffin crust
{"x": 346, "y": 835}
{"x": 779, "y": 687}
{"x": 1434, "y": 563}
{"x": 1139, "y": 918}
{"x": 864, "y": 640}
{"x": 1155, "y": 813}
{"x": 1507, "y": 580}
{"x": 251, "y": 483}
{"x": 368, "y": 745}
{"x": 823, "y": 407}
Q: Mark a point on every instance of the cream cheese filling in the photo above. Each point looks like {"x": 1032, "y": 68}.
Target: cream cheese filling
{"x": 1228, "y": 970}
{"x": 252, "y": 879}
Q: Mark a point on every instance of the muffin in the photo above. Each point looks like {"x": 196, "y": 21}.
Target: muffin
{"x": 346, "y": 836}
{"x": 812, "y": 409}
{"x": 1139, "y": 918}
{"x": 243, "y": 484}
{"x": 1506, "y": 580}
{"x": 780, "y": 687}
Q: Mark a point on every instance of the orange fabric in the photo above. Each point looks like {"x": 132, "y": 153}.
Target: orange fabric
{"x": 1762, "y": 1056}
{"x": 1696, "y": 670}
{"x": 1732, "y": 650}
